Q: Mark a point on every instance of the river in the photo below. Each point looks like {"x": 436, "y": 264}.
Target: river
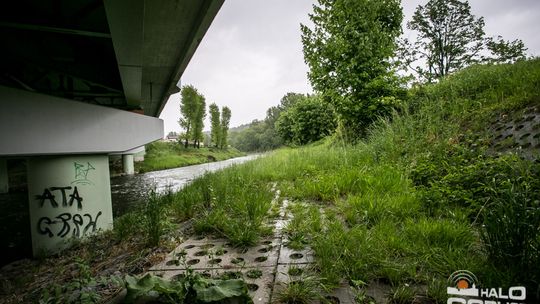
{"x": 126, "y": 193}
{"x": 129, "y": 190}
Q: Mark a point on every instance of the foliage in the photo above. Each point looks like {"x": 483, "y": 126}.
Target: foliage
{"x": 215, "y": 124}
{"x": 263, "y": 135}
{"x": 198, "y": 122}
{"x": 300, "y": 291}
{"x": 191, "y": 288}
{"x": 224, "y": 127}
{"x": 348, "y": 53}
{"x": 80, "y": 290}
{"x": 505, "y": 51}
{"x": 362, "y": 208}
{"x": 449, "y": 38}
{"x": 155, "y": 216}
{"x": 230, "y": 203}
{"x": 309, "y": 120}
{"x": 193, "y": 111}
{"x": 164, "y": 155}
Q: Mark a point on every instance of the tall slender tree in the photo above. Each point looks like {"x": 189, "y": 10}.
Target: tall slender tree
{"x": 198, "y": 122}
{"x": 188, "y": 109}
{"x": 225, "y": 120}
{"x": 215, "y": 125}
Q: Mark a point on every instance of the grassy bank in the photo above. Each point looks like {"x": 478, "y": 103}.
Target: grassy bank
{"x": 429, "y": 192}
{"x": 167, "y": 155}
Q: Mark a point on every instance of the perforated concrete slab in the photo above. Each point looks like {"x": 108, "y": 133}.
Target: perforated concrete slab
{"x": 286, "y": 274}
{"x": 259, "y": 280}
{"x": 519, "y": 132}
{"x": 208, "y": 253}
{"x": 291, "y": 256}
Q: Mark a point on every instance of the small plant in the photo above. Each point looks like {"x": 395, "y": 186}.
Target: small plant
{"x": 254, "y": 273}
{"x": 297, "y": 240}
{"x": 402, "y": 294}
{"x": 82, "y": 289}
{"x": 154, "y": 217}
{"x": 436, "y": 291}
{"x": 295, "y": 271}
{"x": 190, "y": 288}
{"x": 301, "y": 291}
{"x": 127, "y": 225}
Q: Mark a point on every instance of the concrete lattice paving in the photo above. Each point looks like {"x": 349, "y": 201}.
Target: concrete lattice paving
{"x": 264, "y": 267}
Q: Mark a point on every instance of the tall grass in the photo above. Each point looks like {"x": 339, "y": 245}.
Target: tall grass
{"x": 417, "y": 200}
{"x": 166, "y": 155}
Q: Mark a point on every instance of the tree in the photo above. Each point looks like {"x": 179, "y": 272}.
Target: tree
{"x": 307, "y": 121}
{"x": 505, "y": 51}
{"x": 198, "y": 122}
{"x": 450, "y": 38}
{"x": 215, "y": 125}
{"x": 348, "y": 53}
{"x": 188, "y": 109}
{"x": 224, "y": 126}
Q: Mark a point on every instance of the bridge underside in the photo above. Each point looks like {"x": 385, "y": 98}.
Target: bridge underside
{"x": 80, "y": 80}
{"x": 126, "y": 54}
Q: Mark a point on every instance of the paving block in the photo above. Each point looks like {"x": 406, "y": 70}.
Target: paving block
{"x": 209, "y": 254}
{"x": 290, "y": 256}
{"x": 285, "y": 274}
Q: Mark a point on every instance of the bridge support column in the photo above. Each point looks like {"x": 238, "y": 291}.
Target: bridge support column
{"x": 4, "y": 182}
{"x": 127, "y": 163}
{"x": 69, "y": 197}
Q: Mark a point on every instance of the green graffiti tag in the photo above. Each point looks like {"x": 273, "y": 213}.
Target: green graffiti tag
{"x": 81, "y": 173}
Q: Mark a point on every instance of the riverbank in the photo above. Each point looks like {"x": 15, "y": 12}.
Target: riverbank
{"x": 168, "y": 155}
{"x": 433, "y": 190}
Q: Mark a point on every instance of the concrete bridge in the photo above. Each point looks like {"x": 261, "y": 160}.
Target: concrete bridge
{"x": 80, "y": 80}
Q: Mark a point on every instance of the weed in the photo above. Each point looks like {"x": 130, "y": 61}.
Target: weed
{"x": 299, "y": 291}
{"x": 254, "y": 273}
{"x": 154, "y": 220}
{"x": 402, "y": 294}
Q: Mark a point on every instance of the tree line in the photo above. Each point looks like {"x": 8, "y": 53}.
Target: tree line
{"x": 192, "y": 115}
{"x": 357, "y": 60}
{"x": 297, "y": 120}
{"x": 354, "y": 52}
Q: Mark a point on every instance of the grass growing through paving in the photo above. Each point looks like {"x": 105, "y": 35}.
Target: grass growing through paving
{"x": 167, "y": 155}
{"x": 422, "y": 197}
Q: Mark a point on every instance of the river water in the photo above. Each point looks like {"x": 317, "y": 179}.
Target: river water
{"x": 129, "y": 190}
{"x": 126, "y": 192}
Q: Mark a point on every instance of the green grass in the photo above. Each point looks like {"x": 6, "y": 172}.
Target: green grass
{"x": 166, "y": 155}
{"x": 420, "y": 198}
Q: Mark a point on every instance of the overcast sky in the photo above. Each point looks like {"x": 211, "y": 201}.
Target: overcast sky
{"x": 252, "y": 54}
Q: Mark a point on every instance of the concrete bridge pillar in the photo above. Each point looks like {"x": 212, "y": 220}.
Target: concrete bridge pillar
{"x": 127, "y": 163}
{"x": 4, "y": 182}
{"x": 69, "y": 197}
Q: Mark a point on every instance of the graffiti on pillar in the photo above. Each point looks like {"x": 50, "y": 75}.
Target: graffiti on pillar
{"x": 67, "y": 224}
{"x": 81, "y": 173}
{"x": 49, "y": 197}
